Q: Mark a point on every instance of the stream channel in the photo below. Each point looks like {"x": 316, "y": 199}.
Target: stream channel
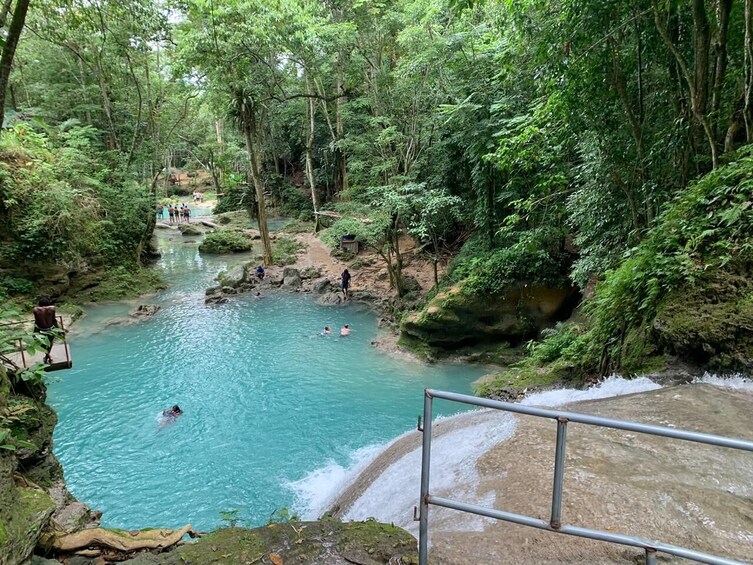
{"x": 274, "y": 413}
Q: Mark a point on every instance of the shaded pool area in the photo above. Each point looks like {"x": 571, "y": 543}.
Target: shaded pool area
{"x": 267, "y": 400}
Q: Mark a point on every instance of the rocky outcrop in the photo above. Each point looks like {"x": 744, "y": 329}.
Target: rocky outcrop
{"x": 26, "y": 466}
{"x": 291, "y": 279}
{"x": 453, "y": 318}
{"x": 146, "y": 310}
{"x": 190, "y": 229}
{"x": 709, "y": 323}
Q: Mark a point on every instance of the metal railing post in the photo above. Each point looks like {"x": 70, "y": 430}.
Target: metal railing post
{"x": 423, "y": 525}
{"x": 650, "y": 556}
{"x": 559, "y": 474}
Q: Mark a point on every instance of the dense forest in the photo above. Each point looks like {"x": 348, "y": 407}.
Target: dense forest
{"x": 530, "y": 142}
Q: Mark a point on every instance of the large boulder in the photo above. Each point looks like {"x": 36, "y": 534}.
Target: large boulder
{"x": 291, "y": 278}
{"x": 330, "y": 299}
{"x": 320, "y": 286}
{"x": 190, "y": 229}
{"x": 455, "y": 319}
{"x": 146, "y": 310}
{"x": 234, "y": 277}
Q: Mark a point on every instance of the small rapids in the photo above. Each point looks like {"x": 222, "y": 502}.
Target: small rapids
{"x": 672, "y": 491}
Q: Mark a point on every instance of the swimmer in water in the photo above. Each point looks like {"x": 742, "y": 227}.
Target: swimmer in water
{"x": 326, "y": 331}
{"x": 169, "y": 416}
{"x": 345, "y": 330}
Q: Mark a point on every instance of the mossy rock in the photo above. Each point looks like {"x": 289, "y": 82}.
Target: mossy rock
{"x": 710, "y": 323}
{"x": 514, "y": 383}
{"x": 368, "y": 543}
{"x": 190, "y": 229}
{"x": 454, "y": 318}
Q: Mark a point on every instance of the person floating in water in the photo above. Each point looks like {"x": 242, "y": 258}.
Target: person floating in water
{"x": 327, "y": 330}
{"x": 45, "y": 323}
{"x": 169, "y": 416}
{"x": 345, "y": 331}
{"x": 345, "y": 284}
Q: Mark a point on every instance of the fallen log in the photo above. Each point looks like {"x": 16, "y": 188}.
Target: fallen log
{"x": 209, "y": 224}
{"x": 119, "y": 540}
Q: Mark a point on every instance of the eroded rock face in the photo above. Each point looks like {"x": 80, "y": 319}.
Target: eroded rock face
{"x": 24, "y": 510}
{"x": 291, "y": 278}
{"x": 146, "y": 310}
{"x": 454, "y": 319}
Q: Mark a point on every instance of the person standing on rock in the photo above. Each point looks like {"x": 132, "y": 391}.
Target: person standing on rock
{"x": 345, "y": 282}
{"x": 45, "y": 321}
{"x": 171, "y": 213}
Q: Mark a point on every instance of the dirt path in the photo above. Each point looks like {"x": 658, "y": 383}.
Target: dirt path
{"x": 371, "y": 277}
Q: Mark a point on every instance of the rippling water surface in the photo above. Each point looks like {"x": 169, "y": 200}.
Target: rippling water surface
{"x": 267, "y": 400}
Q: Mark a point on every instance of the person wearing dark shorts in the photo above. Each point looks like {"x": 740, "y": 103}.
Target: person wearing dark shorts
{"x": 345, "y": 282}
{"x": 45, "y": 322}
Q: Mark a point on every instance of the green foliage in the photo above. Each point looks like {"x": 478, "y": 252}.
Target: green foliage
{"x": 706, "y": 229}
{"x": 16, "y": 285}
{"x": 529, "y": 257}
{"x": 285, "y": 250}
{"x": 333, "y": 235}
{"x": 225, "y": 241}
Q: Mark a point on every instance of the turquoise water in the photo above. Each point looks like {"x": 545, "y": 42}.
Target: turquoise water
{"x": 267, "y": 401}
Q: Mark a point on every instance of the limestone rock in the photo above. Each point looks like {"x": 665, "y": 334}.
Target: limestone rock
{"x": 71, "y": 518}
{"x": 410, "y": 284}
{"x": 310, "y": 272}
{"x": 234, "y": 277}
{"x": 213, "y": 290}
{"x": 330, "y": 299}
{"x": 190, "y": 229}
{"x": 291, "y": 278}
{"x": 453, "y": 319}
{"x": 322, "y": 285}
{"x": 216, "y": 299}
{"x": 146, "y": 310}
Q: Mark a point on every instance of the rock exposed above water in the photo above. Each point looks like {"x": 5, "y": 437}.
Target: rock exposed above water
{"x": 453, "y": 318}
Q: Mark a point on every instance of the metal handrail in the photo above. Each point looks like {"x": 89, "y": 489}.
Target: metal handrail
{"x": 555, "y": 522}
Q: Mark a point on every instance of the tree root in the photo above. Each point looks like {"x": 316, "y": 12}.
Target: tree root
{"x": 117, "y": 540}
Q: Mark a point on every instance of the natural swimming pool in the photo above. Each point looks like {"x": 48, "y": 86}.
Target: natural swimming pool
{"x": 267, "y": 401}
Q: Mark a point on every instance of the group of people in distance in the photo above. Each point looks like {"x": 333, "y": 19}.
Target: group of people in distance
{"x": 345, "y": 331}
{"x": 175, "y": 213}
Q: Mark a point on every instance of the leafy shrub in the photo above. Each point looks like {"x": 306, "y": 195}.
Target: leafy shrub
{"x": 332, "y": 236}
{"x": 285, "y": 250}
{"x": 16, "y": 285}
{"x": 225, "y": 242}
{"x": 526, "y": 257}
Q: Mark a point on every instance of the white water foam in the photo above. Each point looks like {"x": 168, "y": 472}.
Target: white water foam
{"x": 735, "y": 382}
{"x": 392, "y": 495}
{"x": 316, "y": 492}
{"x": 609, "y": 387}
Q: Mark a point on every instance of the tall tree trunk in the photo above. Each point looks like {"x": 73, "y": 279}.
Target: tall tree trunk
{"x": 748, "y": 108}
{"x": 341, "y": 173}
{"x": 9, "y": 50}
{"x": 250, "y": 133}
{"x": 698, "y": 82}
{"x": 720, "y": 62}
{"x": 310, "y": 101}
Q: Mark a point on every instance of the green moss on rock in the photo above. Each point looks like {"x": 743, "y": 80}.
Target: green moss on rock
{"x": 368, "y": 543}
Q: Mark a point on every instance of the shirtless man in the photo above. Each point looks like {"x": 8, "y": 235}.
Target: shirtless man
{"x": 45, "y": 322}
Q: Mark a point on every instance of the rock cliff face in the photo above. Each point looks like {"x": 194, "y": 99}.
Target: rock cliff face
{"x": 26, "y": 467}
{"x": 454, "y": 319}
